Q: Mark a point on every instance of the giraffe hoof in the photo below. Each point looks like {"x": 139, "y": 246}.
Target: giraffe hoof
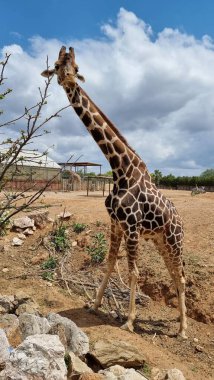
{"x": 182, "y": 335}
{"x": 128, "y": 327}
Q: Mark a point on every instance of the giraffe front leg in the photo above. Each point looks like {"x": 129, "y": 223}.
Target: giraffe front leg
{"x": 180, "y": 284}
{"x": 132, "y": 245}
{"x": 116, "y": 237}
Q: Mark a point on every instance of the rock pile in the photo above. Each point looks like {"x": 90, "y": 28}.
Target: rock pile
{"x": 54, "y": 348}
{"x": 26, "y": 225}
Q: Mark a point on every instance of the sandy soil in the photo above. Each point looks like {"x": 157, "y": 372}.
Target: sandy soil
{"x": 156, "y": 324}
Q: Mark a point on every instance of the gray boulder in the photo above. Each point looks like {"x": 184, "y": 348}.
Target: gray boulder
{"x": 117, "y": 372}
{"x": 77, "y": 341}
{"x": 169, "y": 374}
{"x": 31, "y": 324}
{"x": 23, "y": 222}
{"x": 39, "y": 357}
{"x": 7, "y": 303}
{"x": 4, "y": 347}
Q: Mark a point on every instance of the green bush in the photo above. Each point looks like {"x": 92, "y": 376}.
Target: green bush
{"x": 98, "y": 249}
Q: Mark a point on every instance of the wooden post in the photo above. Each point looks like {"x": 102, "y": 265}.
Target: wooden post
{"x": 87, "y": 185}
{"x": 104, "y": 182}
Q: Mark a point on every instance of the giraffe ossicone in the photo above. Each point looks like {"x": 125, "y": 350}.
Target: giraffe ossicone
{"x": 136, "y": 207}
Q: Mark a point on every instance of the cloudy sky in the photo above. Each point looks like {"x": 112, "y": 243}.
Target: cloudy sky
{"x": 148, "y": 64}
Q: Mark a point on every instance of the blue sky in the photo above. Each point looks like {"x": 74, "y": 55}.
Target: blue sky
{"x": 67, "y": 19}
{"x": 149, "y": 65}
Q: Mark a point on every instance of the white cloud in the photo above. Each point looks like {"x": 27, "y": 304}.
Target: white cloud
{"x": 158, "y": 91}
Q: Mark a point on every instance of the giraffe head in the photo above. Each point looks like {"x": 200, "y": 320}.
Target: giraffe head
{"x": 65, "y": 68}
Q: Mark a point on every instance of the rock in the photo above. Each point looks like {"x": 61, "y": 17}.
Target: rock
{"x": 21, "y": 297}
{"x": 39, "y": 217}
{"x": 4, "y": 347}
{"x": 29, "y": 307}
{"x": 74, "y": 243}
{"x": 28, "y": 232}
{"x": 31, "y": 324}
{"x": 92, "y": 376}
{"x": 38, "y": 357}
{"x": 65, "y": 215}
{"x": 17, "y": 242}
{"x": 23, "y": 222}
{"x": 59, "y": 329}
{"x": 169, "y": 374}
{"x": 10, "y": 324}
{"x": 2, "y": 310}
{"x": 21, "y": 236}
{"x": 117, "y": 372}
{"x": 7, "y": 303}
{"x": 78, "y": 366}
{"x": 199, "y": 348}
{"x": 5, "y": 270}
{"x": 77, "y": 340}
{"x": 108, "y": 353}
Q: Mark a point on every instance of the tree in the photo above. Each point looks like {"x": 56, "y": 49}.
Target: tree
{"x": 209, "y": 173}
{"x": 157, "y": 175}
{"x": 11, "y": 151}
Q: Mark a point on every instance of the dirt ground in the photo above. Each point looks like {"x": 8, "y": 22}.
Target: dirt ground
{"x": 156, "y": 324}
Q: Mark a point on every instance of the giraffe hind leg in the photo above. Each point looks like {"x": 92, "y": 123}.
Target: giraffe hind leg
{"x": 116, "y": 237}
{"x": 177, "y": 274}
{"x": 132, "y": 251}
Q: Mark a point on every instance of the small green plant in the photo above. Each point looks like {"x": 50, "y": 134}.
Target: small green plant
{"x": 3, "y": 223}
{"x": 60, "y": 238}
{"x": 47, "y": 276}
{"x": 79, "y": 227}
{"x": 146, "y": 369}
{"x": 98, "y": 249}
{"x": 51, "y": 263}
{"x": 98, "y": 223}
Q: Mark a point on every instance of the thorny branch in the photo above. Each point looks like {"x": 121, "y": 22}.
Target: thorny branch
{"x": 11, "y": 155}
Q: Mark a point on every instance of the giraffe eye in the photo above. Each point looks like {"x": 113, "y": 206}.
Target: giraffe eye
{"x": 56, "y": 67}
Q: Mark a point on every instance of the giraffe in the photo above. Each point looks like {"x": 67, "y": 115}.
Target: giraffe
{"x": 136, "y": 207}
{"x": 74, "y": 181}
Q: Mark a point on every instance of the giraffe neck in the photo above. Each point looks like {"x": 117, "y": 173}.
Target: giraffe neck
{"x": 121, "y": 156}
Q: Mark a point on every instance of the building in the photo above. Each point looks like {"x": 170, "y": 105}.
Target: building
{"x": 32, "y": 169}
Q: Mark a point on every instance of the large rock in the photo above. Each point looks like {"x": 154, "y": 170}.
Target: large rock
{"x": 92, "y": 376}
{"x": 31, "y": 324}
{"x": 39, "y": 357}
{"x": 10, "y": 324}
{"x": 78, "y": 366}
{"x": 169, "y": 374}
{"x": 4, "y": 347}
{"x": 29, "y": 307}
{"x": 77, "y": 340}
{"x": 117, "y": 372}
{"x": 23, "y": 223}
{"x": 7, "y": 303}
{"x": 109, "y": 353}
{"x": 39, "y": 217}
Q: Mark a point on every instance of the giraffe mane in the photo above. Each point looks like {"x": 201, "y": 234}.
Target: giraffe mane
{"x": 109, "y": 122}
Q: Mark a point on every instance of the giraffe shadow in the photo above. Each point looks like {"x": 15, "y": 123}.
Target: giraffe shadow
{"x": 85, "y": 318}
{"x": 158, "y": 327}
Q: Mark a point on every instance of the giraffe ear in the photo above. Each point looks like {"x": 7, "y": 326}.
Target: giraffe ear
{"x": 48, "y": 73}
{"x": 80, "y": 77}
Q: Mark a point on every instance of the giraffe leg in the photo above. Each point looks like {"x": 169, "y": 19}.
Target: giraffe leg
{"x": 131, "y": 246}
{"x": 180, "y": 285}
{"x": 116, "y": 237}
{"x": 177, "y": 274}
